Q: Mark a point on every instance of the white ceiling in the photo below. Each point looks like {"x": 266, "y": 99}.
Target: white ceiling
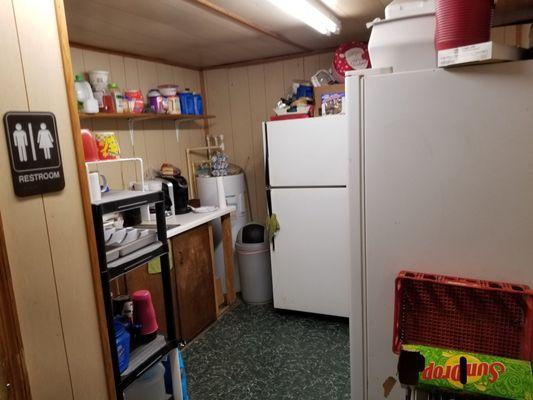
{"x": 183, "y": 32}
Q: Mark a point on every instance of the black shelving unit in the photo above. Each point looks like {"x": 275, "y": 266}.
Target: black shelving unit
{"x": 147, "y": 355}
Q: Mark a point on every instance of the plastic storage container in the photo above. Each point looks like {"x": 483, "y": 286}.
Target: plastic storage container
{"x": 122, "y": 339}
{"x": 405, "y": 39}
{"x": 187, "y": 102}
{"x": 118, "y": 98}
{"x": 483, "y": 317}
{"x": 253, "y": 252}
{"x": 150, "y": 386}
{"x": 461, "y": 23}
{"x": 198, "y": 104}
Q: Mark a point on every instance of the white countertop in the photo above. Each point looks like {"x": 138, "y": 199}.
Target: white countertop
{"x": 192, "y": 220}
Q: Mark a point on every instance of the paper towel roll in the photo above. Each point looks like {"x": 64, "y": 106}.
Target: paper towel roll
{"x": 94, "y": 187}
{"x": 221, "y": 193}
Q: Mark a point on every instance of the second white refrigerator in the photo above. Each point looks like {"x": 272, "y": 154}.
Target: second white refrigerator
{"x": 307, "y": 174}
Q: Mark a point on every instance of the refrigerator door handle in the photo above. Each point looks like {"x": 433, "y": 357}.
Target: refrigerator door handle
{"x": 269, "y": 206}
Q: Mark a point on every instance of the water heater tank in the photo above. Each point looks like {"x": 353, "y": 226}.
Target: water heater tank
{"x": 236, "y": 196}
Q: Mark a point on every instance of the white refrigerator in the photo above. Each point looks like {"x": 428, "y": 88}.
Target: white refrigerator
{"x": 442, "y": 179}
{"x": 307, "y": 176}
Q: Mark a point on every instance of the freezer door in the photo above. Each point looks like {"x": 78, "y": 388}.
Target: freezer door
{"x": 307, "y": 152}
{"x": 310, "y": 259}
{"x": 448, "y": 186}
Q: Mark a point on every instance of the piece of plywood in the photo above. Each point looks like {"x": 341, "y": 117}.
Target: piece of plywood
{"x": 258, "y": 114}
{"x": 27, "y": 243}
{"x": 193, "y": 267}
{"x": 218, "y": 103}
{"x": 227, "y": 244}
{"x": 240, "y": 105}
{"x": 12, "y": 366}
{"x": 311, "y": 66}
{"x": 293, "y": 70}
{"x": 274, "y": 85}
{"x": 217, "y": 283}
{"x": 63, "y": 211}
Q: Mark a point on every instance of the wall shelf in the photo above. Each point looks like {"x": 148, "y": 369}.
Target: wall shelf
{"x": 146, "y": 116}
{"x": 138, "y": 117}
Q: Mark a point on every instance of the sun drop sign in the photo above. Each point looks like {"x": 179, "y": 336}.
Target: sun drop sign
{"x": 489, "y": 375}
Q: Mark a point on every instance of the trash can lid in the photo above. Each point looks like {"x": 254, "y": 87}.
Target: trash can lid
{"x": 253, "y": 233}
{"x": 252, "y": 237}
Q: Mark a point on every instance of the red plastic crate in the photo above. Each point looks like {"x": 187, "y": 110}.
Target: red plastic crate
{"x": 464, "y": 314}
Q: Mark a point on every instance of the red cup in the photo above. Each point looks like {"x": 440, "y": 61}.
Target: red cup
{"x": 143, "y": 312}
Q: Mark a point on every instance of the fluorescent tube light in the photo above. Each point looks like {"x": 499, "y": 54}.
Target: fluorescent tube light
{"x": 311, "y": 13}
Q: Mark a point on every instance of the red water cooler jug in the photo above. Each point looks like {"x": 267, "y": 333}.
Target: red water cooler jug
{"x": 462, "y": 22}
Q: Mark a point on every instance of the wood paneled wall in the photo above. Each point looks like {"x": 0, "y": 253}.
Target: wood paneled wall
{"x": 154, "y": 141}
{"x": 242, "y": 98}
{"x": 45, "y": 235}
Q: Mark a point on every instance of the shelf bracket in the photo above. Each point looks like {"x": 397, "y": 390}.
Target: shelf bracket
{"x": 131, "y": 123}
{"x": 177, "y": 127}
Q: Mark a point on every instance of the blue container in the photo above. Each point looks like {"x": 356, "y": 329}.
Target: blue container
{"x": 198, "y": 104}
{"x": 122, "y": 340}
{"x": 187, "y": 102}
{"x": 304, "y": 91}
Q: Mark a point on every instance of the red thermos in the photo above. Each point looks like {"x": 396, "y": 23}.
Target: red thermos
{"x": 462, "y": 22}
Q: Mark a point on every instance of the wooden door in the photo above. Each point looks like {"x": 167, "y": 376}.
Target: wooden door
{"x": 13, "y": 377}
{"x": 193, "y": 268}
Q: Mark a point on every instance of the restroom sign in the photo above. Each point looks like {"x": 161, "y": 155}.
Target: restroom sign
{"x": 34, "y": 152}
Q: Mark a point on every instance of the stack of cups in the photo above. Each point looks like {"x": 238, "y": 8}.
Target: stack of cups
{"x": 462, "y": 22}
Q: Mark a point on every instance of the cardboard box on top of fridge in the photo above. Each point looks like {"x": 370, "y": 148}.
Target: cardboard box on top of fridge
{"x": 405, "y": 39}
{"x": 486, "y": 52}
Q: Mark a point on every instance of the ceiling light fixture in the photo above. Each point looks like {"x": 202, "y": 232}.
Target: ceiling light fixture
{"x": 312, "y": 13}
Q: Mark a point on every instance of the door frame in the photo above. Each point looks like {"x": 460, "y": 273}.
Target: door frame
{"x": 11, "y": 348}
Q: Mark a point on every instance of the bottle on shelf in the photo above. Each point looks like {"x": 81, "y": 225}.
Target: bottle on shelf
{"x": 108, "y": 106}
{"x": 198, "y": 104}
{"x": 187, "y": 102}
{"x": 118, "y": 98}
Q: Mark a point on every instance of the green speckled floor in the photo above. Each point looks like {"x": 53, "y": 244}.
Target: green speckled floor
{"x": 258, "y": 353}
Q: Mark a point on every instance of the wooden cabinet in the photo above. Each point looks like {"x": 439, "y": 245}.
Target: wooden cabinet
{"x": 194, "y": 271}
{"x": 193, "y": 281}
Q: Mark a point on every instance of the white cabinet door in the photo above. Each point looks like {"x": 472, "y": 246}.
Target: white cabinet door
{"x": 308, "y": 152}
{"x": 310, "y": 261}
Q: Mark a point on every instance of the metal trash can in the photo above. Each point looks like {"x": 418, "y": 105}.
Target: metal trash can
{"x": 253, "y": 254}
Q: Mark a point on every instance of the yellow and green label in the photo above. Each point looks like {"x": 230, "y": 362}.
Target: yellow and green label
{"x": 489, "y": 375}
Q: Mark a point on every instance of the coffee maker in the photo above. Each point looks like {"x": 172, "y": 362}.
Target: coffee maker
{"x": 181, "y": 193}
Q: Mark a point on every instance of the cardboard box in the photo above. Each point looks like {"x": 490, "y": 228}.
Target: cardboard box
{"x": 481, "y": 53}
{"x": 320, "y": 90}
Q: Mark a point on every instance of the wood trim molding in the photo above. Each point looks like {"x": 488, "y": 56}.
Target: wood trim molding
{"x": 85, "y": 196}
{"x": 254, "y": 61}
{"x": 133, "y": 55}
{"x": 220, "y": 11}
{"x": 11, "y": 348}
{"x": 204, "y": 101}
{"x": 270, "y": 59}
